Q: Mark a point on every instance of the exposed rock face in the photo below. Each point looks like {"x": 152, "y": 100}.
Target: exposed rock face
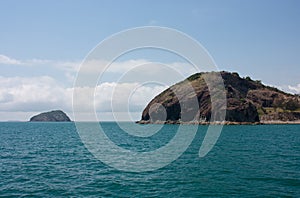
{"x": 52, "y": 116}
{"x": 247, "y": 101}
{"x": 238, "y": 111}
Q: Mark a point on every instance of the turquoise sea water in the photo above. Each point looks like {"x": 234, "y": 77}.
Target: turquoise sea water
{"x": 49, "y": 159}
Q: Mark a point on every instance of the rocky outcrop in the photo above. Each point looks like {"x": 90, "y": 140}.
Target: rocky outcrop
{"x": 241, "y": 111}
{"x": 248, "y": 101}
{"x": 51, "y": 116}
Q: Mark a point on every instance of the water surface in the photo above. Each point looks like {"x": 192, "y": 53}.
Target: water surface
{"x": 48, "y": 159}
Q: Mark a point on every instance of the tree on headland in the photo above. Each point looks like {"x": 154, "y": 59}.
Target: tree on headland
{"x": 248, "y": 78}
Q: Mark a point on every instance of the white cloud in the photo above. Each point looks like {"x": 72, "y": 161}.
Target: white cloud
{"x": 9, "y": 61}
{"x": 294, "y": 89}
{"x": 32, "y": 94}
{"x": 44, "y": 93}
{"x": 116, "y": 101}
{"x": 122, "y": 97}
{"x": 118, "y": 97}
{"x": 121, "y": 88}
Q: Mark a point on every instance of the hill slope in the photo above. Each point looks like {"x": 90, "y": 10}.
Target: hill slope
{"x": 247, "y": 101}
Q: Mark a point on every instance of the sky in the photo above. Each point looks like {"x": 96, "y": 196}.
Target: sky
{"x": 42, "y": 44}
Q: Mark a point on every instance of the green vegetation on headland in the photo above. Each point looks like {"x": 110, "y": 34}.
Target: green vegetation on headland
{"x": 248, "y": 102}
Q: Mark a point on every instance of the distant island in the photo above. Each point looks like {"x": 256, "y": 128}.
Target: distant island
{"x": 51, "y": 116}
{"x": 248, "y": 102}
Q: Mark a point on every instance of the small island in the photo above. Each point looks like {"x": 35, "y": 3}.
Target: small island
{"x": 248, "y": 102}
{"x": 51, "y": 116}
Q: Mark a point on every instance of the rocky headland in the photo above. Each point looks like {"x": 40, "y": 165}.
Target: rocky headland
{"x": 51, "y": 116}
{"x": 248, "y": 102}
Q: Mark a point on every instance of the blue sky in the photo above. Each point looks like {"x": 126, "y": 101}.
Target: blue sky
{"x": 41, "y": 39}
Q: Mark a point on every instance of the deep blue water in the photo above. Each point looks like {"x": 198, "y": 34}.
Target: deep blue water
{"x": 49, "y": 159}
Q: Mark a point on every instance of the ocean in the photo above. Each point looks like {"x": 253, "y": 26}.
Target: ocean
{"x": 50, "y": 160}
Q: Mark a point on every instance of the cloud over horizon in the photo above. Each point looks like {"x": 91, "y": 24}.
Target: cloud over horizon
{"x": 48, "y": 84}
{"x": 44, "y": 93}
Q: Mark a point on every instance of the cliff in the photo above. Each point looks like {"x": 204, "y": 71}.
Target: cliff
{"x": 51, "y": 116}
{"x": 248, "y": 101}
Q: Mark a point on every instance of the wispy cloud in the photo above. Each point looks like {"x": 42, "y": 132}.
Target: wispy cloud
{"x": 93, "y": 65}
{"x": 136, "y": 70}
{"x": 8, "y": 61}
